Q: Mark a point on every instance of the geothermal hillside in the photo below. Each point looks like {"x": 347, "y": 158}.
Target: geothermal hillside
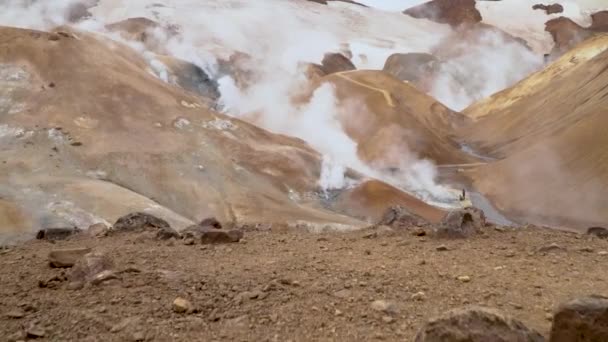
{"x": 293, "y": 170}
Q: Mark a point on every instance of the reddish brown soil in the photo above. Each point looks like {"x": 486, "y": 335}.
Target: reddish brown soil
{"x": 310, "y": 287}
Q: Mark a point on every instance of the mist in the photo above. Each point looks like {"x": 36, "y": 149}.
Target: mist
{"x": 279, "y": 38}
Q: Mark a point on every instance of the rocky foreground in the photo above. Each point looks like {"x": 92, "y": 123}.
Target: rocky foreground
{"x": 140, "y": 282}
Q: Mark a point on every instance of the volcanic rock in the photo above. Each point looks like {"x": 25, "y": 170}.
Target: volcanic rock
{"x": 549, "y": 9}
{"x": 462, "y": 223}
{"x": 566, "y": 34}
{"x": 191, "y": 77}
{"x": 181, "y": 305}
{"x": 600, "y": 232}
{"x": 476, "y": 324}
{"x": 417, "y": 68}
{"x": 89, "y": 267}
{"x": 599, "y": 21}
{"x": 400, "y": 217}
{"x": 581, "y": 320}
{"x": 141, "y": 222}
{"x": 452, "y": 12}
{"x": 336, "y": 62}
{"x": 56, "y": 233}
{"x": 66, "y": 257}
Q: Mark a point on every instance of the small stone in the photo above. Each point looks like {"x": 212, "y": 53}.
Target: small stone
{"x": 586, "y": 249}
{"x": 442, "y": 248}
{"x": 35, "y": 331}
{"x": 388, "y": 319}
{"x": 510, "y": 254}
{"x": 550, "y": 248}
{"x": 384, "y": 306}
{"x": 66, "y": 257}
{"x": 181, "y": 305}
{"x": 517, "y": 306}
{"x": 89, "y": 266}
{"x": 464, "y": 279}
{"x": 103, "y": 276}
{"x": 15, "y": 314}
{"x": 343, "y": 293}
{"x": 189, "y": 242}
{"x": 127, "y": 322}
{"x": 338, "y": 313}
{"x": 602, "y": 253}
{"x": 418, "y": 296}
{"x": 75, "y": 285}
{"x": 138, "y": 336}
{"x": 98, "y": 230}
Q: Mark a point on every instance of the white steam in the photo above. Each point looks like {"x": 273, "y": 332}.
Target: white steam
{"x": 278, "y": 36}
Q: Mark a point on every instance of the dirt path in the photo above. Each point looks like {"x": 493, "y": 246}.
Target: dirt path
{"x": 282, "y": 286}
{"x": 385, "y": 93}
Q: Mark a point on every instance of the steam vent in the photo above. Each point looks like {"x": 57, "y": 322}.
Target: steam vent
{"x": 304, "y": 170}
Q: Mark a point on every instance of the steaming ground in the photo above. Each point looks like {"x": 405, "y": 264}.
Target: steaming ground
{"x": 281, "y": 36}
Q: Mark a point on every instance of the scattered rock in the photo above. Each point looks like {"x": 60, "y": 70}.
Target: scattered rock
{"x": 418, "y": 296}
{"x": 15, "y": 314}
{"x": 35, "y": 331}
{"x": 442, "y": 248}
{"x": 462, "y": 223}
{"x": 602, "y": 253}
{"x": 599, "y": 232}
{"x": 125, "y": 323}
{"x": 55, "y": 234}
{"x": 135, "y": 222}
{"x": 214, "y": 236}
{"x": 550, "y": 248}
{"x": 398, "y": 217}
{"x": 52, "y": 282}
{"x": 464, "y": 279}
{"x": 89, "y": 267}
{"x": 138, "y": 336}
{"x": 388, "y": 319}
{"x": 384, "y": 306}
{"x": 211, "y": 222}
{"x": 336, "y": 62}
{"x": 66, "y": 257}
{"x": 103, "y": 276}
{"x": 476, "y": 324}
{"x": 582, "y": 319}
{"x": 98, "y": 230}
{"x": 343, "y": 293}
{"x": 207, "y": 233}
{"x": 181, "y": 305}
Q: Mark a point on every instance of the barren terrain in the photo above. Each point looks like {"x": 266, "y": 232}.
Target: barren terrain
{"x": 291, "y": 285}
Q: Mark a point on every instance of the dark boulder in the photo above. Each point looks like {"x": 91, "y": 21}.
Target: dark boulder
{"x": 462, "y": 223}
{"x": 599, "y": 232}
{"x": 138, "y": 222}
{"x": 398, "y": 217}
{"x": 476, "y": 324}
{"x": 56, "y": 233}
{"x": 208, "y": 234}
{"x": 336, "y": 62}
{"x": 581, "y": 320}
